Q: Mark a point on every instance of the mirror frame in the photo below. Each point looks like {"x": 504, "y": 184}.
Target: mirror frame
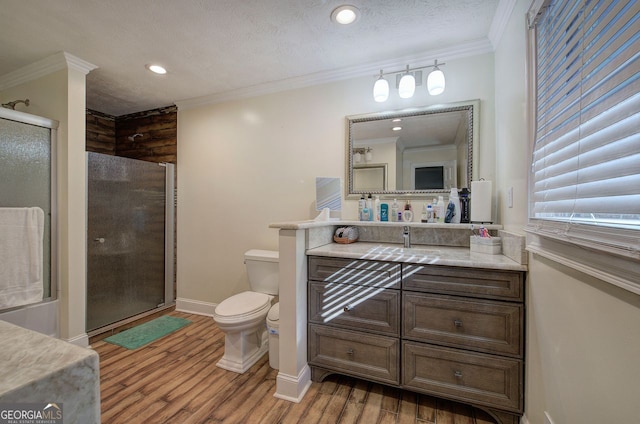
{"x": 473, "y": 110}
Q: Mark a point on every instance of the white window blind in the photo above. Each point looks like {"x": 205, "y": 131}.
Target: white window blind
{"x": 586, "y": 158}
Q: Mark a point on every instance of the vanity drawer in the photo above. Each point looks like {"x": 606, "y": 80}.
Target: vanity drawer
{"x": 468, "y": 377}
{"x": 482, "y": 325}
{"x": 354, "y": 271}
{"x": 355, "y": 307}
{"x": 358, "y": 354}
{"x": 482, "y": 283}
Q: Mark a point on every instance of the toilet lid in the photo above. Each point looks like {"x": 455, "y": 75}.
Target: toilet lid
{"x": 242, "y": 304}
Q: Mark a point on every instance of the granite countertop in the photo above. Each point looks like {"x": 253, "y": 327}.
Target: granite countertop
{"x": 300, "y": 225}
{"x": 432, "y": 255}
{"x": 38, "y": 368}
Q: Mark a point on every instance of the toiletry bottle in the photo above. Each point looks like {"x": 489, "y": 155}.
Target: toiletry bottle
{"x": 430, "y": 214}
{"x": 365, "y": 213}
{"x": 434, "y": 210}
{"x": 361, "y": 205}
{"x": 384, "y": 212}
{"x": 425, "y": 213}
{"x": 376, "y": 208}
{"x": 407, "y": 215}
{"x": 440, "y": 209}
{"x": 464, "y": 206}
{"x": 394, "y": 211}
{"x": 370, "y": 207}
{"x": 453, "y": 198}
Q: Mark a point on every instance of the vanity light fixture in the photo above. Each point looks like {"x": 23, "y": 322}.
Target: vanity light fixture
{"x": 345, "y": 14}
{"x": 359, "y": 152}
{"x": 410, "y": 79}
{"x": 381, "y": 89}
{"x": 369, "y": 154}
{"x": 435, "y": 80}
{"x": 156, "y": 69}
{"x": 407, "y": 85}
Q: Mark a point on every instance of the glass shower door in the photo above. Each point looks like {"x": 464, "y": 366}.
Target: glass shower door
{"x": 126, "y": 238}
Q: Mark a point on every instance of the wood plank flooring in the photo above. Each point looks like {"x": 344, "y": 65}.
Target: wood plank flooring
{"x": 175, "y": 380}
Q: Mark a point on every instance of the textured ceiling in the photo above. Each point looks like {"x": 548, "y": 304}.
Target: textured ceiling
{"x": 221, "y": 46}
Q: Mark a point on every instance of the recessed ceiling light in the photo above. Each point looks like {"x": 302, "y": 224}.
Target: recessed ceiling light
{"x": 345, "y": 14}
{"x": 396, "y": 128}
{"x": 396, "y": 120}
{"x": 156, "y": 69}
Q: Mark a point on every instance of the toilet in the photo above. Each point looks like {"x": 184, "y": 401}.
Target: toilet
{"x": 242, "y": 317}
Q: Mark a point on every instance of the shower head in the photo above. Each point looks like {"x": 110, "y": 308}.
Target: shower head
{"x": 12, "y": 105}
{"x": 133, "y": 137}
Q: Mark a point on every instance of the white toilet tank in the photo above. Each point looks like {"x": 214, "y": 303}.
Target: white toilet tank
{"x": 262, "y": 267}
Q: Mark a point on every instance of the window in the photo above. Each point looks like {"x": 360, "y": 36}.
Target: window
{"x": 585, "y": 181}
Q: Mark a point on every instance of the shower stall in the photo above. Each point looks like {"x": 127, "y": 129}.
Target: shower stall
{"x": 28, "y": 182}
{"x": 130, "y": 239}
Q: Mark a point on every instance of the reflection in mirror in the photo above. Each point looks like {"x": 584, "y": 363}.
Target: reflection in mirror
{"x": 370, "y": 177}
{"x": 408, "y": 152}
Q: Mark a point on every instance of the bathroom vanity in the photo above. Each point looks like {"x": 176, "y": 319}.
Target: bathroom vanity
{"x": 434, "y": 318}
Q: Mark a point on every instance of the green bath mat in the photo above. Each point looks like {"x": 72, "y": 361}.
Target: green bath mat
{"x": 142, "y": 334}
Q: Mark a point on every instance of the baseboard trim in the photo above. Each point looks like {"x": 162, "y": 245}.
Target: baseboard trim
{"x": 81, "y": 340}
{"x": 293, "y": 388}
{"x": 197, "y": 307}
{"x": 524, "y": 420}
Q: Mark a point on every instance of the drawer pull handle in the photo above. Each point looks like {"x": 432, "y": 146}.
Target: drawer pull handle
{"x": 350, "y": 352}
{"x": 457, "y": 374}
{"x": 457, "y": 323}
{"x": 348, "y": 308}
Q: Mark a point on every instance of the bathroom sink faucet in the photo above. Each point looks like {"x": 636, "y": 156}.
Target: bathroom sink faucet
{"x": 406, "y": 236}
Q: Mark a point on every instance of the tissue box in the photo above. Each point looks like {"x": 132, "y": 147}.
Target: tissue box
{"x": 490, "y": 245}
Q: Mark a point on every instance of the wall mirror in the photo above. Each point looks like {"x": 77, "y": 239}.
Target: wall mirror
{"x": 422, "y": 151}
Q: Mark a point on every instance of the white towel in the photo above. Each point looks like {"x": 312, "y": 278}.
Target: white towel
{"x": 21, "y": 252}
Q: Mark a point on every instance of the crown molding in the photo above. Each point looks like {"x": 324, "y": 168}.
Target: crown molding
{"x": 500, "y": 21}
{"x": 471, "y": 48}
{"x": 46, "y": 66}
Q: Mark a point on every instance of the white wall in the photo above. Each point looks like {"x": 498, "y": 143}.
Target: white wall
{"x": 245, "y": 164}
{"x": 582, "y": 334}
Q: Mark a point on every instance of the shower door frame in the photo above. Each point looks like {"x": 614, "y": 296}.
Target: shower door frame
{"x": 52, "y": 125}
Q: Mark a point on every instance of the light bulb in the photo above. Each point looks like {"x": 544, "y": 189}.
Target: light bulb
{"x": 357, "y": 157}
{"x": 407, "y": 86}
{"x": 368, "y": 155}
{"x": 381, "y": 89}
{"x": 435, "y": 82}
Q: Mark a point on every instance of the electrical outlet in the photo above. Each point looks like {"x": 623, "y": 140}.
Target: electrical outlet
{"x": 547, "y": 418}
{"x": 510, "y": 197}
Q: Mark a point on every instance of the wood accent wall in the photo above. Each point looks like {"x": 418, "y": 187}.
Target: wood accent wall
{"x": 159, "y": 130}
{"x": 101, "y": 133}
{"x": 158, "y": 143}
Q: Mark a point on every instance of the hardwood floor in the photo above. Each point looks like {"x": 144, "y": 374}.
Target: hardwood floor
{"x": 175, "y": 380}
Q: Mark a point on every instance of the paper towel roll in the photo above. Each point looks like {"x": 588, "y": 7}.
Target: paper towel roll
{"x": 481, "y": 201}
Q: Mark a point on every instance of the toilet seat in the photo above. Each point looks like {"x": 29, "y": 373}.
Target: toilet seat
{"x": 243, "y": 305}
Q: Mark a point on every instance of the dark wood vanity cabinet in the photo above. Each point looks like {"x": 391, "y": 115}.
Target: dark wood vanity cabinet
{"x": 452, "y": 332}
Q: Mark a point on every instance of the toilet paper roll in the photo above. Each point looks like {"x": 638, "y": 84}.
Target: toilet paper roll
{"x": 481, "y": 201}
